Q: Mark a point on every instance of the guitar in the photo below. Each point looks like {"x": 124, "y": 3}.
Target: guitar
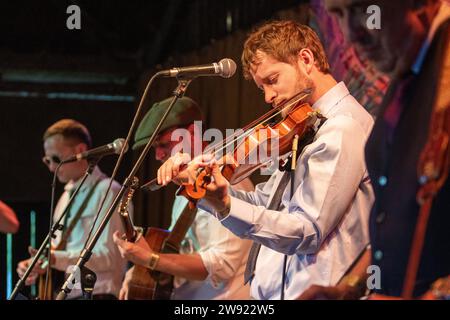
{"x": 146, "y": 284}
{"x": 55, "y": 279}
{"x": 46, "y": 292}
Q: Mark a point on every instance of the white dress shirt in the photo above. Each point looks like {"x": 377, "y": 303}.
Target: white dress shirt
{"x": 324, "y": 227}
{"x": 223, "y": 254}
{"x": 105, "y": 261}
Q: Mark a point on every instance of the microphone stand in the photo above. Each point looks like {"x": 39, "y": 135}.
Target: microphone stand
{"x": 87, "y": 251}
{"x": 56, "y": 226}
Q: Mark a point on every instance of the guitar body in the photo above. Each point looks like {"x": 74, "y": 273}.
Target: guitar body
{"x": 146, "y": 284}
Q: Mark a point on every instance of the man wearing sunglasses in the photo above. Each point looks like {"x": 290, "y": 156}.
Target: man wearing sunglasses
{"x": 62, "y": 140}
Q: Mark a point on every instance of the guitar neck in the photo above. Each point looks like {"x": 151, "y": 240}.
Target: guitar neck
{"x": 130, "y": 231}
{"x": 181, "y": 227}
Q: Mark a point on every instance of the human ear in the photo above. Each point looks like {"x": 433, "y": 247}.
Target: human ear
{"x": 306, "y": 59}
{"x": 81, "y": 147}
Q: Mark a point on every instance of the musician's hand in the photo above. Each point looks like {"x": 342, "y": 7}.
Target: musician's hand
{"x": 173, "y": 169}
{"x": 176, "y": 170}
{"x": 217, "y": 190}
{"x": 123, "y": 294}
{"x": 37, "y": 270}
{"x": 377, "y": 296}
{"x": 138, "y": 252}
{"x": 32, "y": 251}
{"x": 22, "y": 266}
{"x": 340, "y": 292}
{"x": 316, "y": 292}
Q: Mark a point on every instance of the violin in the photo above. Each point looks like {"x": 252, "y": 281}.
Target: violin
{"x": 255, "y": 146}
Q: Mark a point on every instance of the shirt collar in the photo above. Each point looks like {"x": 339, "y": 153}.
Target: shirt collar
{"x": 442, "y": 15}
{"x": 331, "y": 98}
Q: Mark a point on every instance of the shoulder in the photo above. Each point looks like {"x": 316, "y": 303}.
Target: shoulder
{"x": 345, "y": 125}
{"x": 349, "y": 115}
{"x": 103, "y": 184}
{"x": 339, "y": 134}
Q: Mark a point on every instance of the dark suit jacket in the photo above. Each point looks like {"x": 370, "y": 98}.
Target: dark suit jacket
{"x": 393, "y": 217}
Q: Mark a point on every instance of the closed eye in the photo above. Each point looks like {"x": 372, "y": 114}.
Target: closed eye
{"x": 272, "y": 80}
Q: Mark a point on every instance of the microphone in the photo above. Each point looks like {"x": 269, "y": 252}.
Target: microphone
{"x": 111, "y": 148}
{"x": 224, "y": 68}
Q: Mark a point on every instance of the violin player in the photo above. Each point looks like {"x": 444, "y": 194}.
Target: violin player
{"x": 308, "y": 224}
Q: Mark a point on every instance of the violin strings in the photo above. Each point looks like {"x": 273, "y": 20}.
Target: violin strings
{"x": 264, "y": 118}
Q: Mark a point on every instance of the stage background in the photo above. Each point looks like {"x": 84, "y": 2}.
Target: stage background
{"x": 97, "y": 74}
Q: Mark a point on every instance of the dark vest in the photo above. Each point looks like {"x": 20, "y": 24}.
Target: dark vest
{"x": 392, "y": 167}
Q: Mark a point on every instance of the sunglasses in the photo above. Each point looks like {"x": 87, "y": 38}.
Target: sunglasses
{"x": 48, "y": 160}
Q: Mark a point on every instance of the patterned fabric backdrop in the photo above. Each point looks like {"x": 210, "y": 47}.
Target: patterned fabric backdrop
{"x": 364, "y": 82}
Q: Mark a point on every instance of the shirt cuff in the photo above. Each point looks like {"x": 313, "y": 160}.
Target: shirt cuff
{"x": 209, "y": 266}
{"x": 240, "y": 219}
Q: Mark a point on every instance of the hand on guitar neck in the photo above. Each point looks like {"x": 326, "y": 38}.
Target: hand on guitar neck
{"x": 39, "y": 268}
{"x": 138, "y": 252}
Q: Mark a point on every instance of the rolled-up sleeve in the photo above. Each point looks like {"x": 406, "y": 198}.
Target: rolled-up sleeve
{"x": 224, "y": 254}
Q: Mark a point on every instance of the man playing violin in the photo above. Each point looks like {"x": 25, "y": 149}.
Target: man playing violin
{"x": 311, "y": 223}
{"x": 212, "y": 260}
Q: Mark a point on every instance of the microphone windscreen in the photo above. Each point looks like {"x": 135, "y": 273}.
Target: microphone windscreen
{"x": 228, "y": 67}
{"x": 118, "y": 144}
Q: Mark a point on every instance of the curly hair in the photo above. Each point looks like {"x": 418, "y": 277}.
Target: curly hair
{"x": 282, "y": 40}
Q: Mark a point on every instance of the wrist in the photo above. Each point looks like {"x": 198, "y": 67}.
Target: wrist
{"x": 225, "y": 210}
{"x": 153, "y": 261}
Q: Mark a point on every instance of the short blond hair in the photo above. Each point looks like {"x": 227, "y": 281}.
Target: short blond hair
{"x": 71, "y": 130}
{"x": 282, "y": 40}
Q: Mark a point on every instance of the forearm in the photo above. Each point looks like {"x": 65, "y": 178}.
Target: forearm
{"x": 286, "y": 233}
{"x": 188, "y": 266}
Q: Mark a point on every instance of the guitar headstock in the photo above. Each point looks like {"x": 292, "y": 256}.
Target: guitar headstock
{"x": 130, "y": 231}
{"x": 128, "y": 196}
